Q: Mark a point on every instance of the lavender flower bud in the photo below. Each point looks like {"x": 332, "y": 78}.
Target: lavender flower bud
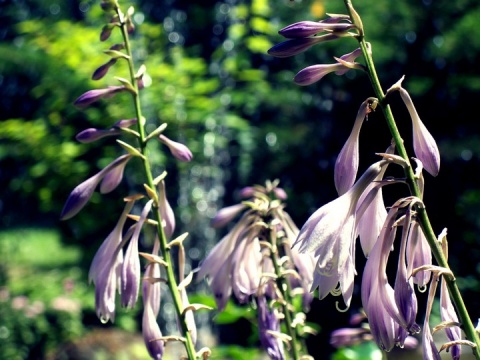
{"x": 103, "y": 69}
{"x": 79, "y": 196}
{"x": 91, "y": 134}
{"x": 112, "y": 178}
{"x": 297, "y": 46}
{"x": 93, "y": 95}
{"x": 226, "y": 214}
{"x": 314, "y": 73}
{"x": 178, "y": 150}
{"x": 152, "y": 333}
{"x": 166, "y": 211}
{"x": 308, "y": 28}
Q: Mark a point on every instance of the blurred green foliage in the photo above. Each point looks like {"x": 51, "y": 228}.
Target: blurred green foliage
{"x": 209, "y": 77}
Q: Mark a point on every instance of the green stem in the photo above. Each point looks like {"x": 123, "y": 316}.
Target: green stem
{"x": 455, "y": 294}
{"x": 165, "y": 248}
{"x": 285, "y": 289}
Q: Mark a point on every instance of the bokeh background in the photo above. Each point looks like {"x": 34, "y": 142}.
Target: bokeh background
{"x": 209, "y": 77}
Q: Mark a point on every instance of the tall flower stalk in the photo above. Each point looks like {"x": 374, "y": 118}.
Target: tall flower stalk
{"x": 115, "y": 267}
{"x": 391, "y": 311}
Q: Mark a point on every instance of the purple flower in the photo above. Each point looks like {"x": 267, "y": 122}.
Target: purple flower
{"x": 349, "y": 337}
{"x": 92, "y": 96}
{"x": 308, "y": 28}
{"x": 101, "y": 71}
{"x": 166, "y": 211}
{"x": 268, "y": 325}
{"x": 105, "y": 268}
{"x": 419, "y": 254}
{"x": 151, "y": 293}
{"x": 130, "y": 279}
{"x": 330, "y": 234}
{"x": 424, "y": 145}
{"x": 296, "y": 46}
{"x": 92, "y": 134}
{"x": 178, "y": 150}
{"x": 79, "y": 196}
{"x": 346, "y": 165}
{"x": 226, "y": 215}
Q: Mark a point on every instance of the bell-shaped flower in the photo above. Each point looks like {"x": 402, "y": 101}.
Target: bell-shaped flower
{"x": 92, "y": 96}
{"x": 424, "y": 145}
{"x": 130, "y": 279}
{"x": 93, "y": 134}
{"x": 268, "y": 327}
{"x": 330, "y": 233}
{"x": 346, "y": 165}
{"x": 246, "y": 267}
{"x": 296, "y": 46}
{"x": 166, "y": 211}
{"x": 79, "y": 196}
{"x": 226, "y": 215}
{"x": 178, "y": 150}
{"x": 104, "y": 270}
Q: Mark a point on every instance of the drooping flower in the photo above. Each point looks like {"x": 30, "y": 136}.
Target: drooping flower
{"x": 303, "y": 29}
{"x": 330, "y": 234}
{"x": 346, "y": 165}
{"x": 178, "y": 150}
{"x": 269, "y": 327}
{"x": 130, "y": 279}
{"x": 419, "y": 254}
{"x": 79, "y": 196}
{"x": 105, "y": 268}
{"x": 151, "y": 295}
{"x": 226, "y": 215}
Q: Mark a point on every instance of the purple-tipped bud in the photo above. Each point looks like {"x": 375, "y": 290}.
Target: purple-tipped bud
{"x": 79, "y": 196}
{"x": 125, "y": 123}
{"x": 314, "y": 73}
{"x": 349, "y": 337}
{"x": 108, "y": 5}
{"x": 106, "y": 32}
{"x": 308, "y": 28}
{"x": 280, "y": 193}
{"x": 103, "y": 69}
{"x": 297, "y": 46}
{"x": 226, "y": 214}
{"x": 93, "y": 95}
{"x": 112, "y": 178}
{"x": 247, "y": 192}
{"x": 178, "y": 150}
{"x": 92, "y": 134}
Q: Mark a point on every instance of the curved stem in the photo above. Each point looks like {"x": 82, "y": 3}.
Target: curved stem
{"x": 456, "y": 296}
{"x": 165, "y": 249}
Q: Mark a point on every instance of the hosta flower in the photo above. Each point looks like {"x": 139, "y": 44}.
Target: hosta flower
{"x": 268, "y": 326}
{"x": 330, "y": 234}
{"x": 308, "y": 28}
{"x": 424, "y": 145}
{"x": 92, "y": 96}
{"x": 226, "y": 215}
{"x": 92, "y": 134}
{"x": 178, "y": 150}
{"x": 419, "y": 254}
{"x": 102, "y": 70}
{"x": 130, "y": 279}
{"x": 79, "y": 196}
{"x": 166, "y": 211}
{"x": 105, "y": 268}
{"x": 296, "y": 46}
{"x": 314, "y": 73}
{"x": 346, "y": 165}
{"x": 151, "y": 293}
